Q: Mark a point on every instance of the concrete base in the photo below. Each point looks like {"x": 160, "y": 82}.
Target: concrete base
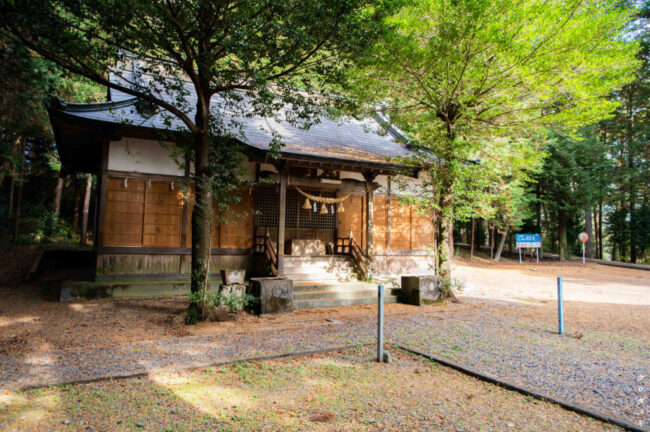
{"x": 155, "y": 264}
{"x": 275, "y": 294}
{"x": 398, "y": 263}
{"x": 420, "y": 290}
{"x": 73, "y": 290}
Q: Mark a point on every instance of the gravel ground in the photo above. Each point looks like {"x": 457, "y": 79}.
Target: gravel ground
{"x": 342, "y": 391}
{"x": 601, "y": 371}
{"x": 603, "y": 363}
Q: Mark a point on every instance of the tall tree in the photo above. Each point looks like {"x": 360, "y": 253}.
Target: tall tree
{"x": 273, "y": 53}
{"x": 627, "y": 135}
{"x": 457, "y": 72}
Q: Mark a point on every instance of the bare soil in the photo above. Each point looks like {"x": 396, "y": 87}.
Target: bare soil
{"x": 32, "y": 323}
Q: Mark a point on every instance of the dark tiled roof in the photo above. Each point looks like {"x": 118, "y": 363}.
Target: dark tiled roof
{"x": 370, "y": 140}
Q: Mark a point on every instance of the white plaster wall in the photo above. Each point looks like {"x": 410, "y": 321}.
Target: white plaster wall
{"x": 400, "y": 185}
{"x": 351, "y": 175}
{"x": 142, "y": 156}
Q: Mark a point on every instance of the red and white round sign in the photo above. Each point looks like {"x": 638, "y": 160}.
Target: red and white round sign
{"x": 583, "y": 237}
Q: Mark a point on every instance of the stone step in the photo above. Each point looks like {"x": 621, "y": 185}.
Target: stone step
{"x": 311, "y": 270}
{"x": 317, "y": 258}
{"x": 334, "y": 295}
{"x": 318, "y": 277}
{"x": 312, "y": 304}
{"x": 323, "y": 264}
{"x": 309, "y": 286}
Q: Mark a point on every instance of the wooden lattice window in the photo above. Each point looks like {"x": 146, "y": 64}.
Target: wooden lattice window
{"x": 268, "y": 200}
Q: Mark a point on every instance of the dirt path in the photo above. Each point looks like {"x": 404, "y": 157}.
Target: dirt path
{"x": 532, "y": 283}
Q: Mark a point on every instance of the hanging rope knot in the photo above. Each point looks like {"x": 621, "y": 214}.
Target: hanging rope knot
{"x": 322, "y": 200}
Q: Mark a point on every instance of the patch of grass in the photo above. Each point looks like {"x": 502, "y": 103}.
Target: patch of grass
{"x": 332, "y": 392}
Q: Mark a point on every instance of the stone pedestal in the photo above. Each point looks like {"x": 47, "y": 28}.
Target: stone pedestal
{"x": 275, "y": 294}
{"x": 230, "y": 276}
{"x": 420, "y": 290}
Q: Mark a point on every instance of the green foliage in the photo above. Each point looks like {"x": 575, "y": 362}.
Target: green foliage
{"x": 232, "y": 300}
{"x": 467, "y": 78}
{"x": 603, "y": 169}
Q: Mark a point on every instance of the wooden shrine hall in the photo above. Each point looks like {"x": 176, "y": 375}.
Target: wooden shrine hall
{"x": 332, "y": 212}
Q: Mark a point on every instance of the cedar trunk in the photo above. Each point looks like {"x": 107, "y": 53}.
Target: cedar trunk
{"x": 502, "y": 242}
{"x": 563, "y": 248}
{"x": 86, "y": 207}
{"x": 58, "y": 191}
{"x": 19, "y": 197}
{"x": 77, "y": 203}
{"x": 471, "y": 245}
{"x": 589, "y": 246}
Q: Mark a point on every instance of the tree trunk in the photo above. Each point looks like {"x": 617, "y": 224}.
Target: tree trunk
{"x": 600, "y": 229}
{"x": 562, "y": 220}
{"x": 631, "y": 181}
{"x": 443, "y": 265}
{"x": 19, "y": 197}
{"x": 7, "y": 165}
{"x": 77, "y": 203}
{"x": 471, "y": 244}
{"x": 443, "y": 257}
{"x": 502, "y": 242}
{"x": 58, "y": 191}
{"x": 12, "y": 192}
{"x": 589, "y": 246}
{"x": 451, "y": 237}
{"x": 201, "y": 221}
{"x": 492, "y": 242}
{"x": 86, "y": 207}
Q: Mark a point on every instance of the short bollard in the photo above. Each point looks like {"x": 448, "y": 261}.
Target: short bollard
{"x": 380, "y": 323}
{"x": 560, "y": 311}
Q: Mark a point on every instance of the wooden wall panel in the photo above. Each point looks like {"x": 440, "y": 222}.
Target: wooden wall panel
{"x": 124, "y": 212}
{"x": 163, "y": 212}
{"x": 238, "y": 233}
{"x": 380, "y": 219}
{"x": 353, "y": 218}
{"x": 421, "y": 231}
{"x": 400, "y": 226}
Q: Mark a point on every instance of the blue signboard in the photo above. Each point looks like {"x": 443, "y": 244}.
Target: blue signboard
{"x": 528, "y": 240}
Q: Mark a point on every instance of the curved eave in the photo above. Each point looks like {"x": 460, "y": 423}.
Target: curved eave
{"x": 80, "y": 141}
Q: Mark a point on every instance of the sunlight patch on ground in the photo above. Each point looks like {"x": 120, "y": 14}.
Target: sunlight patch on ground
{"x": 200, "y": 391}
{"x": 22, "y": 320}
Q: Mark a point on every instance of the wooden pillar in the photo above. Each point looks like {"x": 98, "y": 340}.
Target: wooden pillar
{"x": 370, "y": 201}
{"x": 388, "y": 205}
{"x": 281, "y": 219}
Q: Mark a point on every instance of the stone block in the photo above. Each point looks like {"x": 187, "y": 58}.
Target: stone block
{"x": 233, "y": 276}
{"x": 420, "y": 290}
{"x": 275, "y": 294}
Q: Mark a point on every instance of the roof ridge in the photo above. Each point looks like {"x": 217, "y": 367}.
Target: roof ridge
{"x": 93, "y": 106}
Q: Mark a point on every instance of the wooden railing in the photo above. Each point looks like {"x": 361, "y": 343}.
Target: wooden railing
{"x": 263, "y": 244}
{"x": 342, "y": 246}
{"x": 360, "y": 258}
